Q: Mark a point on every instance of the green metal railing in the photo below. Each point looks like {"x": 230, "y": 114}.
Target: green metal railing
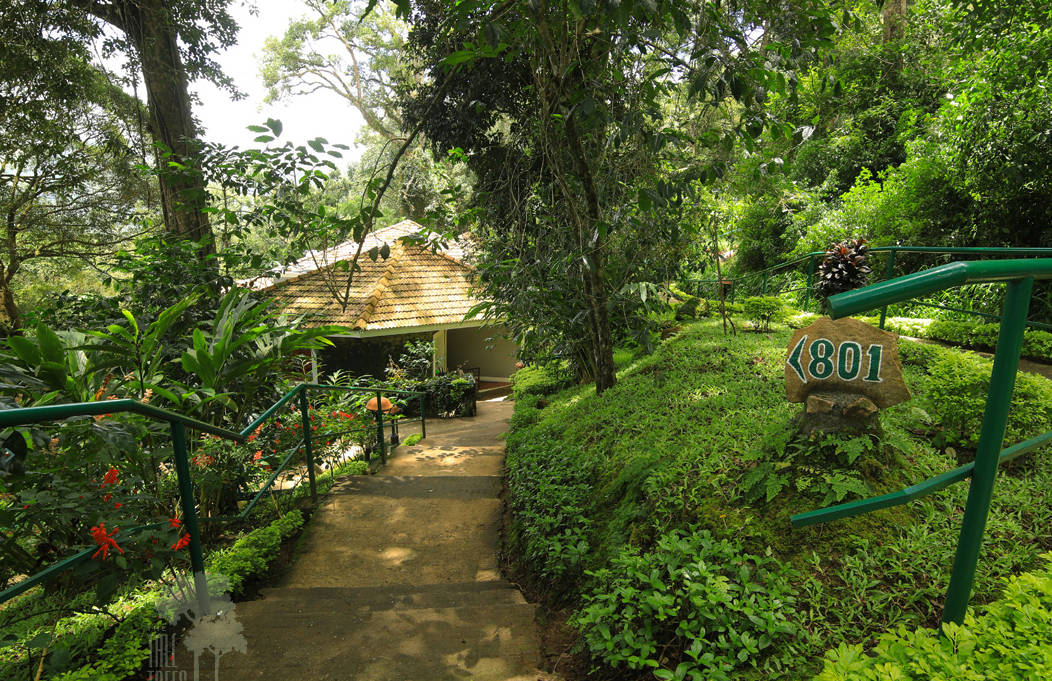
{"x": 761, "y": 281}
{"x": 179, "y": 423}
{"x": 1019, "y": 275}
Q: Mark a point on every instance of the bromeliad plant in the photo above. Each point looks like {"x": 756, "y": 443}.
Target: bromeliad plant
{"x": 843, "y": 268}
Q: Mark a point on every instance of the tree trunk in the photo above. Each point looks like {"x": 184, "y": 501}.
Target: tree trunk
{"x": 10, "y": 318}
{"x": 149, "y": 28}
{"x": 592, "y": 268}
{"x": 894, "y": 14}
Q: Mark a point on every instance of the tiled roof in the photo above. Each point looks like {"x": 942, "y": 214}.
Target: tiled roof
{"x": 313, "y": 260}
{"x": 413, "y": 287}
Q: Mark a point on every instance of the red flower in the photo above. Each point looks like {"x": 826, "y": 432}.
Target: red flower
{"x": 258, "y": 455}
{"x": 25, "y": 507}
{"x": 104, "y": 540}
{"x": 174, "y": 522}
{"x": 117, "y": 504}
{"x": 107, "y": 497}
{"x": 110, "y": 478}
{"x": 181, "y": 544}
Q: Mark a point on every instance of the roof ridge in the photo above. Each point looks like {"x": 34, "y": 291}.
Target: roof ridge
{"x": 382, "y": 285}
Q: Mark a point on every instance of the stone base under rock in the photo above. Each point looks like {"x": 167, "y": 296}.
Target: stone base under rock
{"x": 836, "y": 412}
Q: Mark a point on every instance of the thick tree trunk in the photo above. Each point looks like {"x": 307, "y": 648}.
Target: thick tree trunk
{"x": 149, "y": 28}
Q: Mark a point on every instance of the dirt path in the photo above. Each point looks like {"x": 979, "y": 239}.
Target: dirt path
{"x": 399, "y": 579}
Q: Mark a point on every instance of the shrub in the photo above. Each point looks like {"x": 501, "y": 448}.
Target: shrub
{"x": 123, "y": 653}
{"x": 763, "y": 310}
{"x": 541, "y": 379}
{"x": 445, "y": 395}
{"x": 356, "y": 467}
{"x": 1009, "y": 641}
{"x": 251, "y": 555}
{"x": 957, "y": 392}
{"x": 949, "y": 331}
{"x": 983, "y": 336}
{"x": 549, "y": 485}
{"x": 906, "y": 326}
{"x": 1037, "y": 345}
{"x": 798, "y": 320}
{"x": 732, "y": 308}
{"x": 692, "y": 608}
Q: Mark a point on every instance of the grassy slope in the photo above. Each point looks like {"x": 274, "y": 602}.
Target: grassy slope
{"x": 668, "y": 447}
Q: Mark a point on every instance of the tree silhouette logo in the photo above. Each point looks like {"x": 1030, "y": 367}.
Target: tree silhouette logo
{"x": 216, "y": 631}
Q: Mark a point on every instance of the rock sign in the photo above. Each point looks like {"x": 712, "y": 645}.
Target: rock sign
{"x": 845, "y": 356}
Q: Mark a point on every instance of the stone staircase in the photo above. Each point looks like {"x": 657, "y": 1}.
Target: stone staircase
{"x": 399, "y": 577}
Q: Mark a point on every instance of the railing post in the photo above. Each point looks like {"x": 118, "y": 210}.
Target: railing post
{"x": 807, "y": 289}
{"x": 888, "y": 275}
{"x": 186, "y": 499}
{"x": 423, "y": 419}
{"x": 380, "y": 427}
{"x": 991, "y": 437}
{"x": 307, "y": 447}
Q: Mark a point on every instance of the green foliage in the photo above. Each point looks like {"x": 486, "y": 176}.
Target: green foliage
{"x": 412, "y": 439}
{"x": 957, "y": 393}
{"x": 540, "y": 380}
{"x": 1037, "y": 345}
{"x": 667, "y": 450}
{"x": 124, "y": 652}
{"x": 414, "y": 364}
{"x": 359, "y": 467}
{"x": 1008, "y": 641}
{"x": 446, "y": 395}
{"x": 251, "y": 555}
{"x": 691, "y": 608}
{"x": 549, "y": 486}
{"x": 763, "y": 310}
{"x": 828, "y": 470}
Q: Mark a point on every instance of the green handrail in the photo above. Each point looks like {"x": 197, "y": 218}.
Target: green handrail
{"x": 179, "y": 423}
{"x": 1019, "y": 276}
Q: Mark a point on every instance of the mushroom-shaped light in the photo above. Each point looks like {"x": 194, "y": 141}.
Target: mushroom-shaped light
{"x": 385, "y": 404}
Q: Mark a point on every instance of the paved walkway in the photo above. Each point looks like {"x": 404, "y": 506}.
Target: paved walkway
{"x": 399, "y": 579}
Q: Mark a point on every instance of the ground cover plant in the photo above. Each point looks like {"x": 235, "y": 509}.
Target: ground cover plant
{"x": 604, "y": 489}
{"x": 1008, "y": 641}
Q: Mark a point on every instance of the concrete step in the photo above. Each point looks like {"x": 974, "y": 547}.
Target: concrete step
{"x": 425, "y": 596}
{"x": 396, "y": 645}
{"x": 420, "y": 486}
{"x": 362, "y": 540}
{"x": 447, "y": 460}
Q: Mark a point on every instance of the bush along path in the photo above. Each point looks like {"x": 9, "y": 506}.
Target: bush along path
{"x": 398, "y": 575}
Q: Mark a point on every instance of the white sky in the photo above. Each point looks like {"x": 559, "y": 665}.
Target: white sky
{"x": 321, "y": 114}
